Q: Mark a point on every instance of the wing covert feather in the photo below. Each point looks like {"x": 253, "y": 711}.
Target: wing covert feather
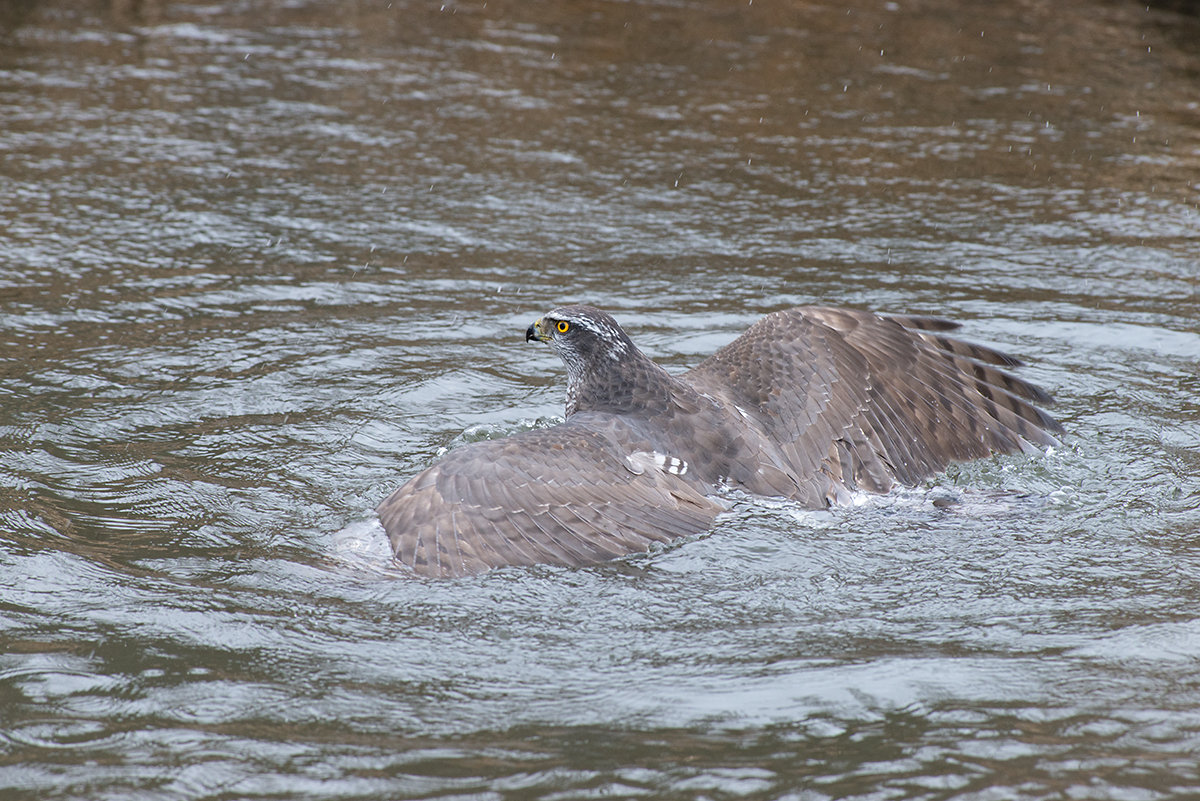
{"x": 561, "y": 495}
{"x": 858, "y": 400}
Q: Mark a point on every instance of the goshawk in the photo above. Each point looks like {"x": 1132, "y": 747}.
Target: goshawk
{"x": 810, "y": 404}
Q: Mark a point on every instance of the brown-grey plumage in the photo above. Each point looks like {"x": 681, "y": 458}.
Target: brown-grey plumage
{"x": 811, "y": 404}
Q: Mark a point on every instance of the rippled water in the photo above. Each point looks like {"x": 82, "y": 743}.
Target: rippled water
{"x": 260, "y": 262}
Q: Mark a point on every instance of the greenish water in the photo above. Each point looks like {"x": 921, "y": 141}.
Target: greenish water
{"x": 260, "y": 262}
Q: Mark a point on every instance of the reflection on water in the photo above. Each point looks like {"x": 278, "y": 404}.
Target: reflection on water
{"x": 264, "y": 261}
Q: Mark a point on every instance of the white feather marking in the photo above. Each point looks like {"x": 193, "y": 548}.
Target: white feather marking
{"x": 606, "y": 332}
{"x": 638, "y": 461}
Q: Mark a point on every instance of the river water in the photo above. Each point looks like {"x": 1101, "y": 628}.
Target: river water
{"x": 260, "y": 262}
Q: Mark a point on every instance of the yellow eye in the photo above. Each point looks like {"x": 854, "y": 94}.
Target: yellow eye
{"x": 563, "y": 326}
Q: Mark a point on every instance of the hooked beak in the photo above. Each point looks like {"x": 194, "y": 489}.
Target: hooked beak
{"x": 535, "y": 332}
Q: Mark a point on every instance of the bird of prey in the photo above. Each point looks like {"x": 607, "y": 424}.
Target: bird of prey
{"x": 810, "y": 404}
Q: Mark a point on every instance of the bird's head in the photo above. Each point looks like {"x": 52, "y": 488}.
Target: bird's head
{"x": 581, "y": 333}
{"x": 589, "y": 342}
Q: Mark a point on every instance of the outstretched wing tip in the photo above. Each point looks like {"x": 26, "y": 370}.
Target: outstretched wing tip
{"x": 859, "y": 400}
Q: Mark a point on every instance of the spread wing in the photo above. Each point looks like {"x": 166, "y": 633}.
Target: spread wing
{"x": 854, "y": 400}
{"x": 577, "y": 493}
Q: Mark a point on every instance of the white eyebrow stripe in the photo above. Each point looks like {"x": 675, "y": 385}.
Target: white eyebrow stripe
{"x": 604, "y": 331}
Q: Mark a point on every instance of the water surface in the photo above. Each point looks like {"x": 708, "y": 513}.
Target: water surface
{"x": 261, "y": 262}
